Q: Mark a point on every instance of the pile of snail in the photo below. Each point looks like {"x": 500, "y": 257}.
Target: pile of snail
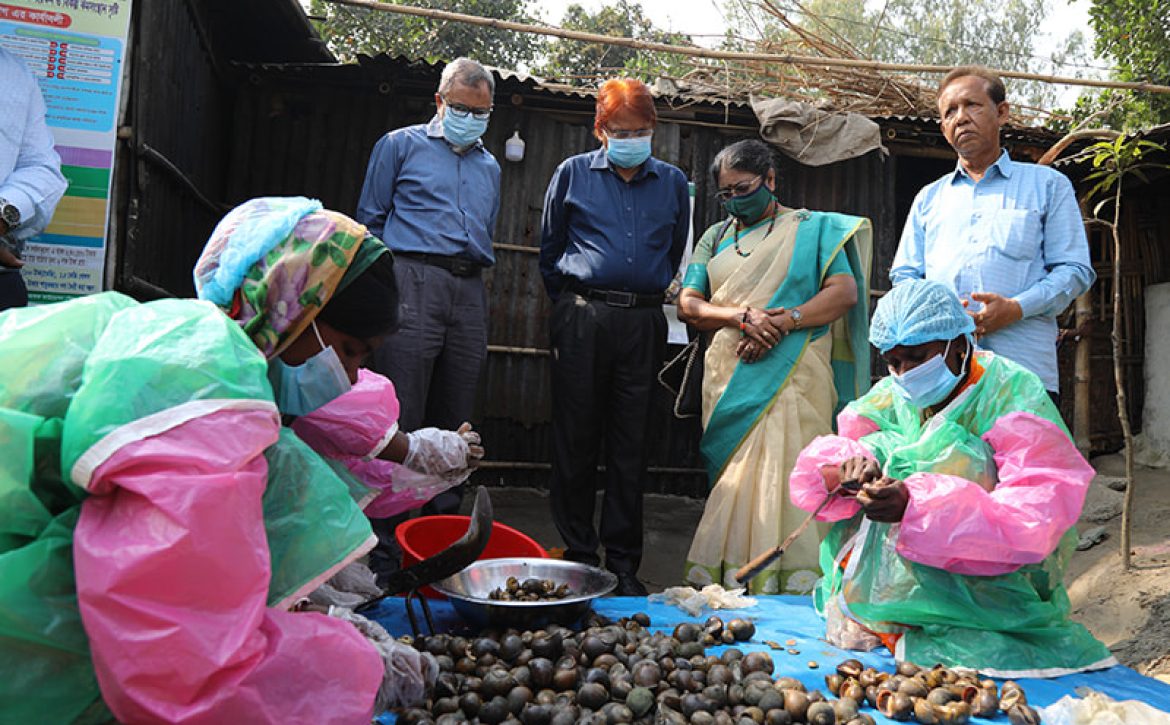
{"x": 612, "y": 673}
{"x": 530, "y": 590}
{"x": 936, "y": 696}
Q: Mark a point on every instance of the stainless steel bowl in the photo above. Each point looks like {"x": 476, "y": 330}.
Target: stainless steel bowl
{"x": 469, "y": 589}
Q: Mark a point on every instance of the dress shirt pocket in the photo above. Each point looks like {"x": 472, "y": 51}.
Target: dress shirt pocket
{"x": 1015, "y": 233}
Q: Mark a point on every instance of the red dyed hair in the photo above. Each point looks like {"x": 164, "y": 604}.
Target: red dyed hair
{"x": 618, "y": 93}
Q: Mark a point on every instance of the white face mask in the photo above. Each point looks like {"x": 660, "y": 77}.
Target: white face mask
{"x": 930, "y": 382}
{"x": 301, "y": 389}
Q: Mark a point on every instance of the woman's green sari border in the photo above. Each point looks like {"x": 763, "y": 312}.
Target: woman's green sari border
{"x": 753, "y": 389}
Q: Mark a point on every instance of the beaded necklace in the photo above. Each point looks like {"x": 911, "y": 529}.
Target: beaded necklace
{"x": 735, "y": 242}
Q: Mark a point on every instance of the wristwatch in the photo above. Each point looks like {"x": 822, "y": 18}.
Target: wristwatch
{"x": 797, "y": 316}
{"x": 10, "y": 214}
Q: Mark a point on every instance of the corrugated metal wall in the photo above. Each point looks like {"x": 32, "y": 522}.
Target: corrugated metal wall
{"x": 181, "y": 112}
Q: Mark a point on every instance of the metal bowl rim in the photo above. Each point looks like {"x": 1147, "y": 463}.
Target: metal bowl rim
{"x": 608, "y": 577}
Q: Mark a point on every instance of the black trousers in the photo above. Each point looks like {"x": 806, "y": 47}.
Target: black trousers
{"x": 604, "y": 363}
{"x": 434, "y": 360}
{"x": 13, "y": 293}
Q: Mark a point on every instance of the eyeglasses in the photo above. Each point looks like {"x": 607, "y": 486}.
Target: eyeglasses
{"x": 636, "y": 133}
{"x": 458, "y": 110}
{"x": 743, "y": 188}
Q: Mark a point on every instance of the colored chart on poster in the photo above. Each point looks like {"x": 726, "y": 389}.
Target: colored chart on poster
{"x": 75, "y": 49}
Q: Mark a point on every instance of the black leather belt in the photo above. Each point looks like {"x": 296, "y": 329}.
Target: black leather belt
{"x": 457, "y": 266}
{"x": 617, "y": 298}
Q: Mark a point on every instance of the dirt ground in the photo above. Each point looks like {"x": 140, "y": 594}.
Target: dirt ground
{"x": 1128, "y": 611}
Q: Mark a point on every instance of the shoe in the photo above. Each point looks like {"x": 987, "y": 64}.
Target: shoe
{"x": 628, "y": 585}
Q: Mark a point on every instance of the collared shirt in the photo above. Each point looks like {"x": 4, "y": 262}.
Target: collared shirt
{"x": 1017, "y": 232}
{"x": 30, "y": 170}
{"x": 420, "y": 195}
{"x": 607, "y": 233}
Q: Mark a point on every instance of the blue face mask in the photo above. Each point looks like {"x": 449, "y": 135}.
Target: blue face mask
{"x": 462, "y": 131}
{"x": 930, "y": 382}
{"x": 301, "y": 389}
{"x": 628, "y": 153}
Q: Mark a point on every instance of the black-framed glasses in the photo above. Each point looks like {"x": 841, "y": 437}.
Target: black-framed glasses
{"x": 623, "y": 134}
{"x": 458, "y": 110}
{"x": 743, "y": 188}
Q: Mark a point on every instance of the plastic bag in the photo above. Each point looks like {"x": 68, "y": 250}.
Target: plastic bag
{"x": 1098, "y": 709}
{"x": 843, "y": 632}
{"x": 713, "y": 596}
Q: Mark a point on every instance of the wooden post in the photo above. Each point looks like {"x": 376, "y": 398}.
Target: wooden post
{"x": 1082, "y": 393}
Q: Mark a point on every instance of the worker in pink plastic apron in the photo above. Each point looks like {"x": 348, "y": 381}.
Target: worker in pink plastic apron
{"x": 157, "y": 521}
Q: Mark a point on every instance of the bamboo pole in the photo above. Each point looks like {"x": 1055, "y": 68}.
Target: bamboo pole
{"x": 708, "y": 53}
{"x": 1082, "y": 409}
{"x": 1119, "y": 381}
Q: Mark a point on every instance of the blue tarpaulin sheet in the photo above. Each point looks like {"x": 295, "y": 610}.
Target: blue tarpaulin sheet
{"x": 782, "y": 618}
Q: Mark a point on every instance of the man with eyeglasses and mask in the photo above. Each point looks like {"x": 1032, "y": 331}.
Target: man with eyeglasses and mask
{"x": 612, "y": 234}
{"x": 432, "y": 193}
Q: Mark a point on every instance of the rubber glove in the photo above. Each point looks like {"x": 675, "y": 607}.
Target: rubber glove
{"x": 474, "y": 444}
{"x": 409, "y": 674}
{"x": 437, "y": 452}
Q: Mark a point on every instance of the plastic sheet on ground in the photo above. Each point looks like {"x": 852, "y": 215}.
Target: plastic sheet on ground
{"x": 782, "y": 618}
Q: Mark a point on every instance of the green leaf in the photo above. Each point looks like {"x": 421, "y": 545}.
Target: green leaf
{"x": 1102, "y": 186}
{"x": 343, "y": 240}
{"x": 319, "y": 255}
{"x": 311, "y": 296}
{"x": 338, "y": 256}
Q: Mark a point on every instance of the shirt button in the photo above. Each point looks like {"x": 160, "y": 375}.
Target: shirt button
{"x": 629, "y": 234}
{"x": 630, "y": 260}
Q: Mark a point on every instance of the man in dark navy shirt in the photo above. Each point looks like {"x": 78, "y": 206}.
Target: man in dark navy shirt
{"x": 432, "y": 193}
{"x": 612, "y": 234}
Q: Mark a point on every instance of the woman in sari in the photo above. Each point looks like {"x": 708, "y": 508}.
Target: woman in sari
{"x": 782, "y": 295}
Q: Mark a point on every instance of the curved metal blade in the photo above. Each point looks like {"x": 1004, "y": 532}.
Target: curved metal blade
{"x": 448, "y": 561}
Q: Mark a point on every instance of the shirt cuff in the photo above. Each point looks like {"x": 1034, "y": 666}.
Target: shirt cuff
{"x": 1031, "y": 302}
{"x": 22, "y": 201}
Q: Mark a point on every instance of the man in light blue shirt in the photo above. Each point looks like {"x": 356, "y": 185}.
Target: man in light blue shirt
{"x": 432, "y": 193}
{"x": 31, "y": 183}
{"x": 1007, "y": 236}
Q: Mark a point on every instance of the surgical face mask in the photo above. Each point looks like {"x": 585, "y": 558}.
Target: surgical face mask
{"x": 301, "y": 389}
{"x": 749, "y": 207}
{"x": 627, "y": 152}
{"x": 462, "y": 131}
{"x": 930, "y": 382}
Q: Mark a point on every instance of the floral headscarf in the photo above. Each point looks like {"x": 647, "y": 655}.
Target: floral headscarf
{"x": 272, "y": 264}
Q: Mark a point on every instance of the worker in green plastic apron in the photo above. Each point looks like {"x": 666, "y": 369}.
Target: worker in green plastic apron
{"x": 955, "y": 548}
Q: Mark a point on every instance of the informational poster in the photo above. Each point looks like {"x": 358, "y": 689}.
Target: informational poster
{"x": 76, "y": 49}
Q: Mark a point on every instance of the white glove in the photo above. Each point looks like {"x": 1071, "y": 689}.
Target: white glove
{"x": 409, "y": 674}
{"x": 437, "y": 452}
{"x": 351, "y": 586}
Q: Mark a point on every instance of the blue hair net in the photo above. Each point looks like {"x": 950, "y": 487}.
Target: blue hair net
{"x": 918, "y": 311}
{"x": 242, "y": 238}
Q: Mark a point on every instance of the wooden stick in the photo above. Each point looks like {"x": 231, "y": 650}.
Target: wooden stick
{"x": 761, "y": 562}
{"x": 727, "y": 54}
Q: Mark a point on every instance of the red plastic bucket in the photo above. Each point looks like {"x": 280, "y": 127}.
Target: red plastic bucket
{"x": 428, "y": 535}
